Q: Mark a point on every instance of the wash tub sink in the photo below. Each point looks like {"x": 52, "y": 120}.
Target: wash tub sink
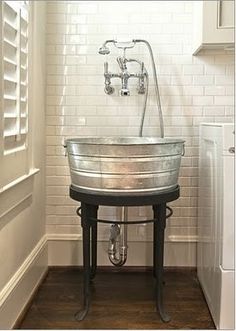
{"x": 124, "y": 165}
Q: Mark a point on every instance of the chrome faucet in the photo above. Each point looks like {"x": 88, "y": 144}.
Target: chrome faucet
{"x": 124, "y": 75}
{"x": 104, "y": 50}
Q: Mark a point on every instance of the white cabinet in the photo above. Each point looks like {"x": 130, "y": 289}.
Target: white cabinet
{"x": 213, "y": 24}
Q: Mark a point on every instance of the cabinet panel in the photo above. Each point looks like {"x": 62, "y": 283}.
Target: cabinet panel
{"x": 213, "y": 24}
{"x": 225, "y": 14}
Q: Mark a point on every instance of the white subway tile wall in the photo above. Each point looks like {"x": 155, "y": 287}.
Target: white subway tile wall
{"x": 192, "y": 89}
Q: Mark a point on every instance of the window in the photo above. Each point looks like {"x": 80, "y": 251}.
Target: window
{"x": 14, "y": 90}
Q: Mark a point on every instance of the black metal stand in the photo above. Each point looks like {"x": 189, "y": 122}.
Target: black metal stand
{"x": 90, "y": 203}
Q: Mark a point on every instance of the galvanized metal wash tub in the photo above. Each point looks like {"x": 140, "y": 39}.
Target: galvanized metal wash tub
{"x": 124, "y": 164}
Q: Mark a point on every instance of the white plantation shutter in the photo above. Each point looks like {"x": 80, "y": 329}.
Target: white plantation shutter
{"x": 15, "y": 78}
{"x": 14, "y": 89}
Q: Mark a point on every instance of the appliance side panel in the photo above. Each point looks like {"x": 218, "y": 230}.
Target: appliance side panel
{"x": 210, "y": 215}
{"x": 227, "y": 256}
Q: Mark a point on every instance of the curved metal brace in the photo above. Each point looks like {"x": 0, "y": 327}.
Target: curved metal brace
{"x": 78, "y": 211}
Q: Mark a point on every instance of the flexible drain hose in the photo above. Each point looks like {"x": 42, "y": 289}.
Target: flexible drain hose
{"x": 156, "y": 84}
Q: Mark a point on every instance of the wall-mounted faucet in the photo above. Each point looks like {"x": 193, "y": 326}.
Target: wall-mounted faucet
{"x": 104, "y": 50}
{"x": 124, "y": 75}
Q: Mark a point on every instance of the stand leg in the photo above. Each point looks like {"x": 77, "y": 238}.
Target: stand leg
{"x": 86, "y": 225}
{"x": 154, "y": 245}
{"x": 94, "y": 245}
{"x": 159, "y": 229}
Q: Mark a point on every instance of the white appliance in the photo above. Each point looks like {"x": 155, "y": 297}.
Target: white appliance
{"x": 215, "y": 252}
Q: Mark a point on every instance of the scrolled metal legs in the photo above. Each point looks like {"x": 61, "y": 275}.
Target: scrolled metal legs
{"x": 88, "y": 211}
{"x": 158, "y": 253}
{"x": 89, "y": 226}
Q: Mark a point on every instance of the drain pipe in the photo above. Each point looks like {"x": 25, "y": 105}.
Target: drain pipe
{"x": 118, "y": 237}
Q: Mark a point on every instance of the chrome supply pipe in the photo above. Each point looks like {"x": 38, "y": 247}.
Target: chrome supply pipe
{"x": 118, "y": 237}
{"x": 108, "y": 88}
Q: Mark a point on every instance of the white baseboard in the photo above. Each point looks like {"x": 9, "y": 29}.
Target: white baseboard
{"x": 20, "y": 288}
{"x": 67, "y": 251}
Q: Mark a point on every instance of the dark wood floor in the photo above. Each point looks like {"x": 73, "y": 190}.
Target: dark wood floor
{"x": 120, "y": 300}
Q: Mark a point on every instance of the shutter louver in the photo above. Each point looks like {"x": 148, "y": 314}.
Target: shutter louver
{"x": 15, "y": 75}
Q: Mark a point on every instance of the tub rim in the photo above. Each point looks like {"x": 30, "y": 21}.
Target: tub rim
{"x": 123, "y": 141}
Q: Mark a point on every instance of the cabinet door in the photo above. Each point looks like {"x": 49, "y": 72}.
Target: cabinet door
{"x": 225, "y": 14}
{"x": 218, "y": 22}
{"x": 213, "y": 22}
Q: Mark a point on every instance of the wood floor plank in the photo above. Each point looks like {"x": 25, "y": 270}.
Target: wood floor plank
{"x": 120, "y": 300}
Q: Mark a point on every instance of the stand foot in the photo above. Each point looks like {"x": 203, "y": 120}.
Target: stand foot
{"x": 164, "y": 316}
{"x": 159, "y": 304}
{"x": 81, "y": 314}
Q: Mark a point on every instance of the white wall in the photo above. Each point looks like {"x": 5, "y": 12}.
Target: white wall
{"x": 23, "y": 257}
{"x": 192, "y": 89}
